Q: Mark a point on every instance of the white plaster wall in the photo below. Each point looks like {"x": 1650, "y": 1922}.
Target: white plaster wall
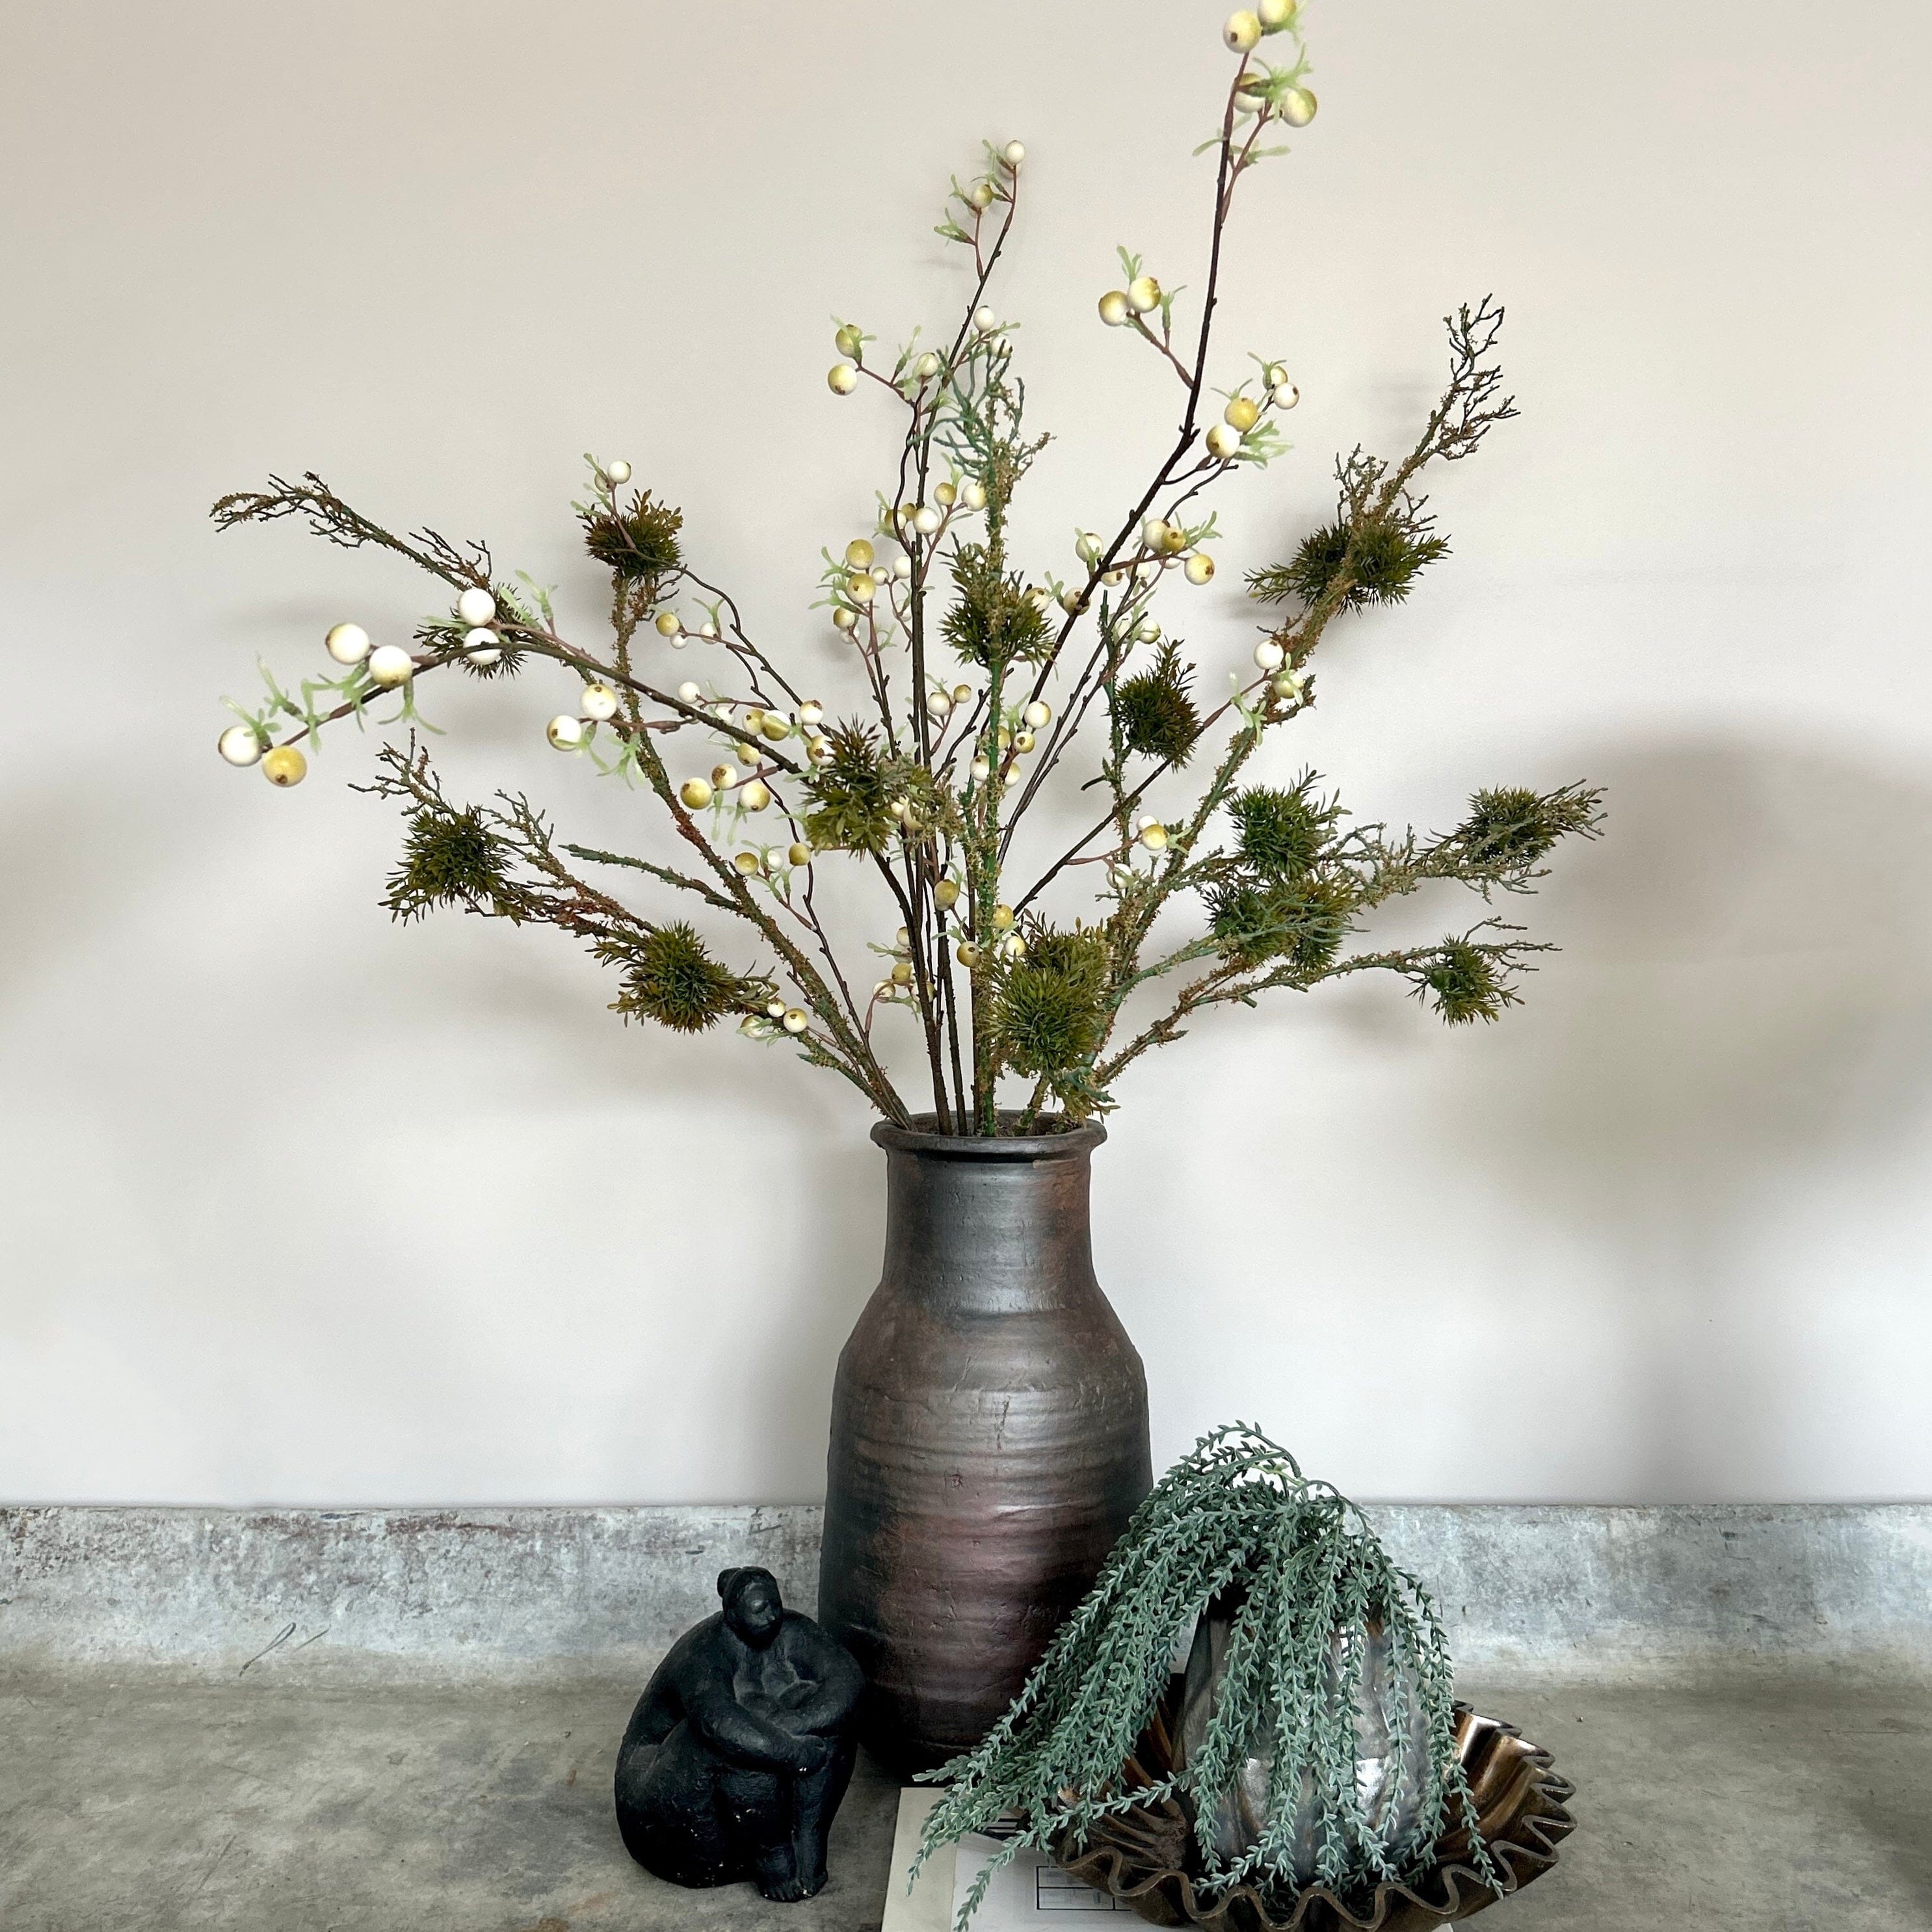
{"x": 297, "y": 1206}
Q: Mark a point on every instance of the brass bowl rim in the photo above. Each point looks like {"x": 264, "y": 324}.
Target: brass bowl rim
{"x": 1524, "y": 1845}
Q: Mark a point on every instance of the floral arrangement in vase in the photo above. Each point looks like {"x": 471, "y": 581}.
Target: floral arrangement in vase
{"x": 974, "y": 685}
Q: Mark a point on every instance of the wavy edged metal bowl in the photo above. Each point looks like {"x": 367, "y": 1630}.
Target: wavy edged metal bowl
{"x": 1146, "y": 1858}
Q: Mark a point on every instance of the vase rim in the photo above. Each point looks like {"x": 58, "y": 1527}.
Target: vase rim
{"x": 1067, "y": 1143}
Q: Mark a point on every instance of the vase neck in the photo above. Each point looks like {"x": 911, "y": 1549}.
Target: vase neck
{"x": 992, "y": 1235}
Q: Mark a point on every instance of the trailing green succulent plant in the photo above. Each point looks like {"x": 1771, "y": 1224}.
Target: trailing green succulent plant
{"x": 976, "y": 684}
{"x": 1316, "y": 1595}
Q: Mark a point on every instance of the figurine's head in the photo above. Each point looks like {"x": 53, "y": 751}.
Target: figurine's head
{"x": 753, "y": 1608}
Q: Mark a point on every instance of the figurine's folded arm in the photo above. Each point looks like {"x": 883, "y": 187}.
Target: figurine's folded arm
{"x": 841, "y": 1686}
{"x": 747, "y": 1739}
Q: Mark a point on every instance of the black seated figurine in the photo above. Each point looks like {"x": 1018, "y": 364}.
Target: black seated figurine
{"x": 741, "y": 1747}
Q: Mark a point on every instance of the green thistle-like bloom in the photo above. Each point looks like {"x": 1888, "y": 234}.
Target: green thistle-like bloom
{"x": 1281, "y": 834}
{"x": 997, "y": 620}
{"x": 1512, "y": 826}
{"x": 449, "y": 858}
{"x": 852, "y": 795}
{"x": 1156, "y": 714}
{"x": 1050, "y": 1013}
{"x": 1388, "y": 559}
{"x": 670, "y": 978}
{"x": 1304, "y": 922}
{"x": 1462, "y": 983}
{"x": 636, "y": 544}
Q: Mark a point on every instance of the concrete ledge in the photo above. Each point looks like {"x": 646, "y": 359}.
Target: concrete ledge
{"x": 535, "y": 1592}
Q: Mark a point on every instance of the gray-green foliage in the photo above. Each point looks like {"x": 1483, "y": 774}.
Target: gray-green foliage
{"x": 1237, "y": 1511}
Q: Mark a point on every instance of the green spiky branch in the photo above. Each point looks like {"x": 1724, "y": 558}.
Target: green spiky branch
{"x": 926, "y": 781}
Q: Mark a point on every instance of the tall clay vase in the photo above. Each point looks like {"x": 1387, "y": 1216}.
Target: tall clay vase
{"x": 989, "y": 1435}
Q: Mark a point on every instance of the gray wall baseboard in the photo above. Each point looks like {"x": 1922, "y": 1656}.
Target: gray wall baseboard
{"x": 537, "y": 1591}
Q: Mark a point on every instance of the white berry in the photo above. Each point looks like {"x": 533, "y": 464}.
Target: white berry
{"x": 797, "y": 1021}
{"x": 1014, "y": 153}
{"x": 1038, "y": 714}
{"x": 1200, "y": 567}
{"x": 239, "y": 744}
{"x": 1285, "y": 395}
{"x": 687, "y": 693}
{"x": 1297, "y": 107}
{"x": 564, "y": 732}
{"x": 1243, "y": 32}
{"x": 347, "y": 643}
{"x": 599, "y": 701}
{"x": 811, "y": 712}
{"x": 390, "y": 665}
{"x": 925, "y": 520}
{"x": 842, "y": 378}
{"x": 984, "y": 320}
{"x": 480, "y": 645}
{"x": 475, "y": 606}
{"x": 619, "y": 471}
{"x": 974, "y": 496}
{"x": 1268, "y": 654}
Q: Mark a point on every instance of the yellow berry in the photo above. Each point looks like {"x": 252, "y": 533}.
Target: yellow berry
{"x": 1200, "y": 567}
{"x": 946, "y": 894}
{"x": 902, "y": 973}
{"x": 944, "y": 495}
{"x": 1114, "y": 309}
{"x": 668, "y": 625}
{"x": 967, "y": 955}
{"x": 859, "y": 553}
{"x": 1243, "y": 32}
{"x": 756, "y": 795}
{"x": 747, "y": 862}
{"x": 800, "y": 853}
{"x": 284, "y": 765}
{"x": 1143, "y": 294}
{"x": 776, "y": 728}
{"x": 849, "y": 340}
{"x": 696, "y": 793}
{"x": 1242, "y": 414}
{"x": 842, "y": 378}
{"x": 1003, "y": 918}
{"x": 1297, "y": 107}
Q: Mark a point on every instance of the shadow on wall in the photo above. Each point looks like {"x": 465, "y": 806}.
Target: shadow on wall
{"x": 1743, "y": 1042}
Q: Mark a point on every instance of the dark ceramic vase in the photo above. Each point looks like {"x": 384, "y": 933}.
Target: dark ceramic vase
{"x": 989, "y": 1436}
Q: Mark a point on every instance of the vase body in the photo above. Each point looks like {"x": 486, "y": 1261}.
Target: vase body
{"x": 989, "y": 1436}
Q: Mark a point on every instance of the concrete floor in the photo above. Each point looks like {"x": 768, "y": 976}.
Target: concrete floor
{"x": 1762, "y": 1804}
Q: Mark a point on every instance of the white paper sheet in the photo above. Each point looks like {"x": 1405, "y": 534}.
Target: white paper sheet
{"x": 1032, "y": 1892}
